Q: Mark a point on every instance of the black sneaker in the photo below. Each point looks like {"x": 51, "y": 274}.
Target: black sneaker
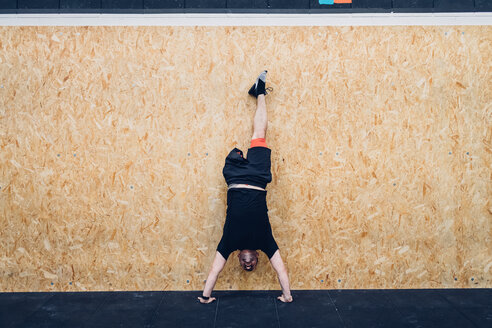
{"x": 259, "y": 87}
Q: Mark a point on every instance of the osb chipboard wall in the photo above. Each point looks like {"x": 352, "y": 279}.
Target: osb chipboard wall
{"x": 113, "y": 140}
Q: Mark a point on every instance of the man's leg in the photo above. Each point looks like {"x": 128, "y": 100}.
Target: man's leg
{"x": 260, "y": 123}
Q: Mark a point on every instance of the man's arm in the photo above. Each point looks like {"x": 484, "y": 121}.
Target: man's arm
{"x": 283, "y": 277}
{"x": 217, "y": 266}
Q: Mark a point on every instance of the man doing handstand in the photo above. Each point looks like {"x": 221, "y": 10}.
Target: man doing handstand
{"x": 247, "y": 226}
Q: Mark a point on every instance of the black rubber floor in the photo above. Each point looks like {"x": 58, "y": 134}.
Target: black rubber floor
{"x": 328, "y": 308}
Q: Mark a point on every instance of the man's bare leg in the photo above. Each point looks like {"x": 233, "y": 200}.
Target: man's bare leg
{"x": 260, "y": 123}
{"x": 259, "y": 131}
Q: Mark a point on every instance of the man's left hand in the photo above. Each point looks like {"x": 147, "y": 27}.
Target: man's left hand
{"x": 285, "y": 299}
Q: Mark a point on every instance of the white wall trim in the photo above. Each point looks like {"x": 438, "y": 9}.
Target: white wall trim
{"x": 370, "y": 19}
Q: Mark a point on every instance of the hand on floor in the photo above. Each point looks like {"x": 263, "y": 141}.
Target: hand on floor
{"x": 285, "y": 299}
{"x": 204, "y": 301}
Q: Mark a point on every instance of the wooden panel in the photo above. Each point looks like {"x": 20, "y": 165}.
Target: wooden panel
{"x": 6, "y": 5}
{"x": 283, "y": 4}
{"x": 206, "y": 4}
{"x": 240, "y": 4}
{"x": 159, "y": 4}
{"x": 413, "y": 4}
{"x": 483, "y": 5}
{"x": 122, "y": 4}
{"x": 37, "y": 4}
{"x": 372, "y": 4}
{"x": 80, "y": 4}
{"x": 112, "y": 142}
{"x": 451, "y": 5}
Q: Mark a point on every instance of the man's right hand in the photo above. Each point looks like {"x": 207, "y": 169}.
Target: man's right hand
{"x": 204, "y": 301}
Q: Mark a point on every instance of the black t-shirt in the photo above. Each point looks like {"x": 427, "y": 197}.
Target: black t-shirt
{"x": 247, "y": 225}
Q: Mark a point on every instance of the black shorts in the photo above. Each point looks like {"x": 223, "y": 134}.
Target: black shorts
{"x": 254, "y": 170}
